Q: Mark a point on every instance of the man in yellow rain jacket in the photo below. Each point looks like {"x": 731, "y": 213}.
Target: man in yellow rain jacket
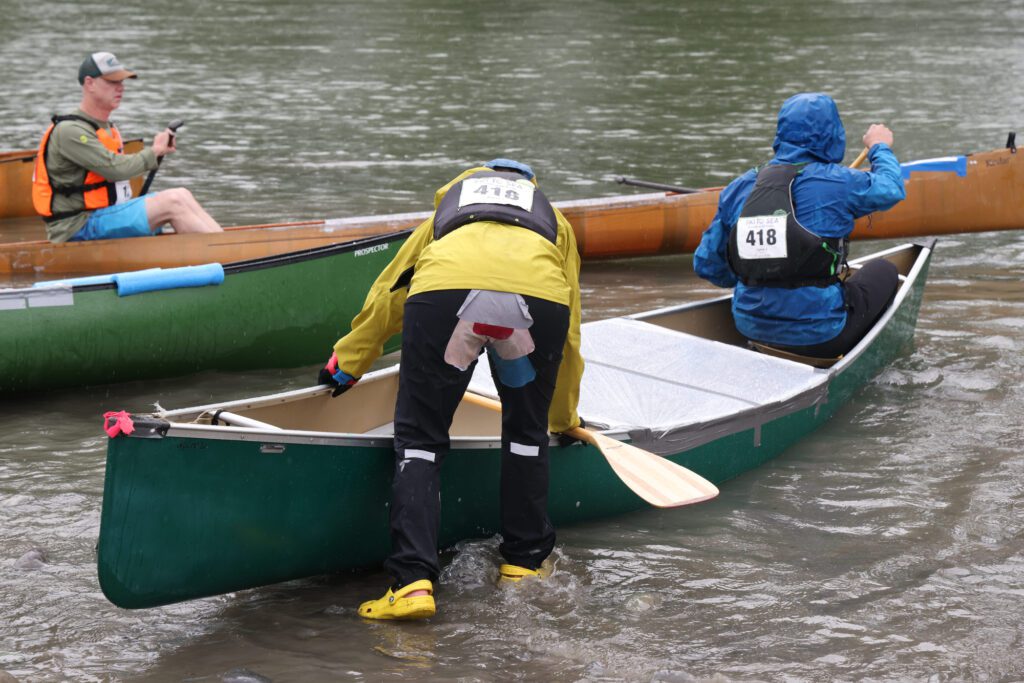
{"x": 495, "y": 267}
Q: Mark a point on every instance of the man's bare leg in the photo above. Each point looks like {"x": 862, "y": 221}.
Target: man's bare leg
{"x": 178, "y": 207}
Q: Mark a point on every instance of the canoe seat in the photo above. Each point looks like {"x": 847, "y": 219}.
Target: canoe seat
{"x": 795, "y": 357}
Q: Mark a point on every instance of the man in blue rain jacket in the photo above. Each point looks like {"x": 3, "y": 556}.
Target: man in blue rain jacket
{"x": 780, "y": 234}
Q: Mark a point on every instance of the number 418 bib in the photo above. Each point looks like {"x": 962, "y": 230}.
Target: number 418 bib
{"x": 497, "y": 191}
{"x": 761, "y": 237}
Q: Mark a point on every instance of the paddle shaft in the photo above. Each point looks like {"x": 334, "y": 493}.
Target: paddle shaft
{"x": 655, "y": 479}
{"x": 173, "y": 126}
{"x": 623, "y": 180}
{"x": 860, "y": 158}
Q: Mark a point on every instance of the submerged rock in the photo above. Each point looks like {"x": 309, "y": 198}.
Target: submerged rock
{"x": 33, "y": 559}
{"x": 241, "y": 676}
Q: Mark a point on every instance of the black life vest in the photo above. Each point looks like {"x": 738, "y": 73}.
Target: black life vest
{"x": 768, "y": 247}
{"x": 496, "y": 196}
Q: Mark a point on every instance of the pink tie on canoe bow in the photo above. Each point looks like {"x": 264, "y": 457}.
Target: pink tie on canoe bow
{"x": 122, "y": 423}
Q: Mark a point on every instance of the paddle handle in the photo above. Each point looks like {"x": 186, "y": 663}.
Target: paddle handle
{"x": 173, "y": 126}
{"x": 483, "y": 401}
{"x": 491, "y": 404}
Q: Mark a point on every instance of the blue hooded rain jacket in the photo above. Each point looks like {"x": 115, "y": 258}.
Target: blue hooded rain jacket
{"x": 828, "y": 198}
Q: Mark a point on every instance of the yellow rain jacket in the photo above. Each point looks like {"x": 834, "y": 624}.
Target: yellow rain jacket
{"x": 482, "y": 255}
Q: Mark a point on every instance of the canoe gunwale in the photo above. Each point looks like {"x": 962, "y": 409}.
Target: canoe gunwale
{"x": 676, "y": 440}
{"x": 249, "y": 266}
{"x": 281, "y": 435}
{"x": 906, "y": 286}
{"x": 27, "y": 155}
{"x": 238, "y": 433}
{"x": 287, "y": 436}
{"x": 314, "y": 252}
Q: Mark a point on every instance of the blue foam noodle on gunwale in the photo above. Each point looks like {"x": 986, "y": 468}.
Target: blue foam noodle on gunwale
{"x": 172, "y": 278}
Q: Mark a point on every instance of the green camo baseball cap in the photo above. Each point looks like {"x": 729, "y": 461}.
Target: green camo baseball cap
{"x": 104, "y": 65}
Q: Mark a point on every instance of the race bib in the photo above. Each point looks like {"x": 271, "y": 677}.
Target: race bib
{"x": 518, "y": 193}
{"x": 761, "y": 237}
{"x": 123, "y": 191}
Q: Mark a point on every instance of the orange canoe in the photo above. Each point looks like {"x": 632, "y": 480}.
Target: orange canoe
{"x": 957, "y": 194}
{"x": 969, "y": 193}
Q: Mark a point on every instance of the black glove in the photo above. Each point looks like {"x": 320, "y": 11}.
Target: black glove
{"x": 331, "y": 375}
{"x": 566, "y": 440}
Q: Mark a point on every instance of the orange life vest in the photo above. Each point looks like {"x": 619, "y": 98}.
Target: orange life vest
{"x": 96, "y": 190}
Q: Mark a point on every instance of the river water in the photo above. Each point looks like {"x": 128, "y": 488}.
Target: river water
{"x": 887, "y": 546}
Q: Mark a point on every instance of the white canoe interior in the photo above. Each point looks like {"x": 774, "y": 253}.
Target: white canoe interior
{"x": 651, "y": 374}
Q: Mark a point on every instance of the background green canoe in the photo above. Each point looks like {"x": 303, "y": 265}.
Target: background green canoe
{"x": 193, "y": 508}
{"x": 282, "y": 311}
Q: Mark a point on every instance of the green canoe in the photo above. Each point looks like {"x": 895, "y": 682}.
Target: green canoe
{"x": 273, "y": 312}
{"x": 218, "y": 498}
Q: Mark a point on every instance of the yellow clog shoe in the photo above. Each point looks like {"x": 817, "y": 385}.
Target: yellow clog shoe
{"x": 399, "y": 605}
{"x": 513, "y": 573}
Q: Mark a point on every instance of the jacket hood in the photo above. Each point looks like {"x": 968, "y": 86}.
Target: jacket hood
{"x": 809, "y": 130}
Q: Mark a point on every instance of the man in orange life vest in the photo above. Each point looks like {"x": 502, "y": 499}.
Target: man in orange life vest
{"x": 80, "y": 185}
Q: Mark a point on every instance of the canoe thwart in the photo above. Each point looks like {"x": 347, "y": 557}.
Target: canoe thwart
{"x": 224, "y": 417}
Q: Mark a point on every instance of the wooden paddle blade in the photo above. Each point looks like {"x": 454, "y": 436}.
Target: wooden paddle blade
{"x": 657, "y": 480}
